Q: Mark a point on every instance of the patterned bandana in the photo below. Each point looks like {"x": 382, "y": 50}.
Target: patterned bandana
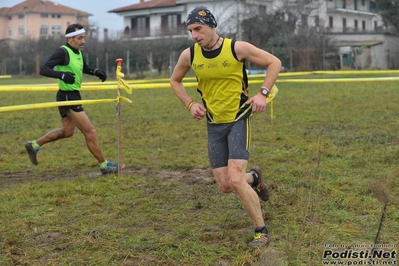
{"x": 201, "y": 15}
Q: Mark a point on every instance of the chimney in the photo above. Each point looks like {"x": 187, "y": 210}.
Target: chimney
{"x": 142, "y": 1}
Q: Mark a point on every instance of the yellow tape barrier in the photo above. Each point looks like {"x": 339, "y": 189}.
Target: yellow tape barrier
{"x": 86, "y": 88}
{"x": 191, "y": 84}
{"x": 92, "y": 88}
{"x": 122, "y": 84}
{"x": 330, "y": 72}
{"x": 129, "y": 87}
{"x": 335, "y": 80}
{"x": 55, "y": 104}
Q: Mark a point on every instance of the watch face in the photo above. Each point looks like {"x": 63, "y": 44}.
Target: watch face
{"x": 264, "y": 92}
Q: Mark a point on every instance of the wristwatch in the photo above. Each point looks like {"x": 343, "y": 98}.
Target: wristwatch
{"x": 264, "y": 91}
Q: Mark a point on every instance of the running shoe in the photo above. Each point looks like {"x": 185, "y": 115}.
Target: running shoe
{"x": 261, "y": 189}
{"x": 32, "y": 152}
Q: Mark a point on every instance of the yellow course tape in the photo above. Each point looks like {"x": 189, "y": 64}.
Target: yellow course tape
{"x": 129, "y": 87}
{"x": 119, "y": 76}
{"x": 55, "y": 104}
{"x": 273, "y": 93}
{"x": 92, "y": 88}
{"x": 311, "y": 80}
{"x": 336, "y": 80}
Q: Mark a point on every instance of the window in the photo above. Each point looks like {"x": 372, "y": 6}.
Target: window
{"x": 317, "y": 21}
{"x": 330, "y": 22}
{"x": 262, "y": 9}
{"x": 356, "y": 25}
{"x": 10, "y": 18}
{"x": 43, "y": 30}
{"x": 363, "y": 2}
{"x": 304, "y": 20}
{"x": 344, "y": 25}
{"x": 140, "y": 25}
{"x": 44, "y": 15}
{"x": 170, "y": 21}
{"x": 343, "y": 3}
{"x": 375, "y": 24}
{"x": 363, "y": 25}
{"x": 373, "y": 7}
{"x": 21, "y": 16}
{"x": 9, "y": 32}
{"x": 21, "y": 30}
{"x": 55, "y": 30}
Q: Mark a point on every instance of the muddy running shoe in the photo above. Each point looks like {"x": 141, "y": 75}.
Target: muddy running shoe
{"x": 32, "y": 152}
{"x": 260, "y": 187}
{"x": 112, "y": 168}
{"x": 261, "y": 239}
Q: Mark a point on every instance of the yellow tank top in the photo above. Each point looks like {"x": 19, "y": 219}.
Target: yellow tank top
{"x": 222, "y": 83}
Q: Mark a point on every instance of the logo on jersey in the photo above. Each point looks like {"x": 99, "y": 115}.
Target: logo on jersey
{"x": 226, "y": 64}
{"x": 198, "y": 67}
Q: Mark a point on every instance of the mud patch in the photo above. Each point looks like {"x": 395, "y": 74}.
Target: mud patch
{"x": 185, "y": 175}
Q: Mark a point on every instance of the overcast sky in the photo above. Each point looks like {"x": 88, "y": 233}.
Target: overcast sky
{"x": 99, "y": 9}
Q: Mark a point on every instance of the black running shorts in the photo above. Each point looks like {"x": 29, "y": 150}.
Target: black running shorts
{"x": 68, "y": 96}
{"x": 229, "y": 141}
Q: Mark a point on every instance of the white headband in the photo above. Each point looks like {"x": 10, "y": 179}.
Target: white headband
{"x": 74, "y": 33}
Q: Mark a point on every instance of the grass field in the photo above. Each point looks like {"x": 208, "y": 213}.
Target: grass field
{"x": 329, "y": 156}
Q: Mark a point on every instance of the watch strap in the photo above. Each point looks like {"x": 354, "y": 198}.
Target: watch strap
{"x": 262, "y": 91}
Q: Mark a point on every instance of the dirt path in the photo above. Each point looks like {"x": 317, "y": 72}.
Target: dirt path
{"x": 192, "y": 175}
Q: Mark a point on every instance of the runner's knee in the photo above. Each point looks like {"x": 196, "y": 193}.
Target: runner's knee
{"x": 67, "y": 133}
{"x": 91, "y": 134}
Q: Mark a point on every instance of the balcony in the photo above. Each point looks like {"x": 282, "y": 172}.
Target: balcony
{"x": 353, "y": 6}
{"x": 153, "y": 33}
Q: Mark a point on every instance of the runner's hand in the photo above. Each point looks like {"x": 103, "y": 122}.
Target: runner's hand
{"x": 197, "y": 111}
{"x": 101, "y": 74}
{"x": 258, "y": 103}
{"x": 67, "y": 77}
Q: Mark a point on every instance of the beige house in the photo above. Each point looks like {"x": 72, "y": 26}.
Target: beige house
{"x": 36, "y": 18}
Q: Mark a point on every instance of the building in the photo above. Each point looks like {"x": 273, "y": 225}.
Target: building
{"x": 353, "y": 25}
{"x": 344, "y": 15}
{"x": 155, "y": 18}
{"x": 358, "y": 31}
{"x": 37, "y": 18}
{"x": 150, "y": 18}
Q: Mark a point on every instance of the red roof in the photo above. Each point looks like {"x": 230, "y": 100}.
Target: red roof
{"x": 41, "y": 6}
{"x": 4, "y": 10}
{"x": 145, "y": 5}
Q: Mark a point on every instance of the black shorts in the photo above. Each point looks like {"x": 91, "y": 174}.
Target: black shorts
{"x": 229, "y": 141}
{"x": 68, "y": 96}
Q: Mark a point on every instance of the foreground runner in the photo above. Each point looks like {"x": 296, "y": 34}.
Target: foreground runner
{"x": 219, "y": 65}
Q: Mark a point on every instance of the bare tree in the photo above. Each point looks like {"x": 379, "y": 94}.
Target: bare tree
{"x": 389, "y": 11}
{"x": 292, "y": 31}
{"x": 5, "y": 53}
